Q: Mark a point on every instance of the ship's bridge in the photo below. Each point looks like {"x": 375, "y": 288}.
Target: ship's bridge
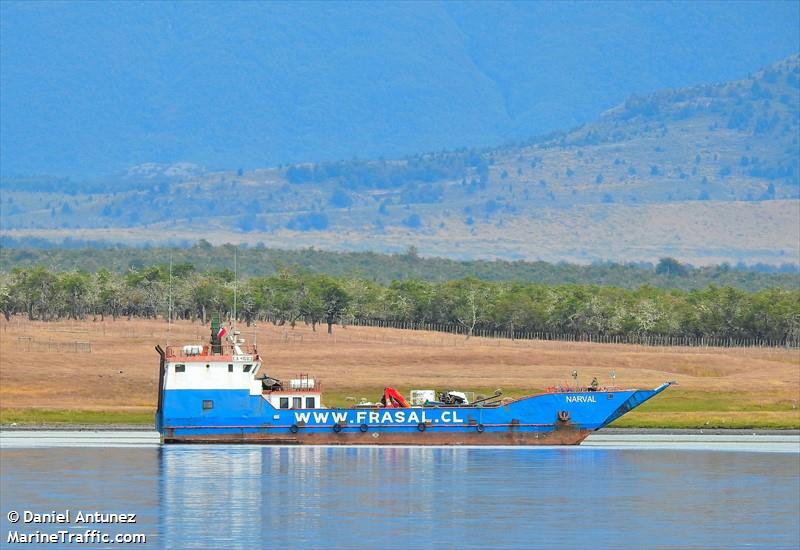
{"x": 201, "y": 352}
{"x": 303, "y": 392}
{"x": 212, "y": 367}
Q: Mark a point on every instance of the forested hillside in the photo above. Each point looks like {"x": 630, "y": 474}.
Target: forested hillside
{"x": 668, "y": 273}
{"x": 707, "y": 174}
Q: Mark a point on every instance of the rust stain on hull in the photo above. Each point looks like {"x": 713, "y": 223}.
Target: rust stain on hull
{"x": 556, "y": 437}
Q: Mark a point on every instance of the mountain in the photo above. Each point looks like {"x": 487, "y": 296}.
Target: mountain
{"x": 88, "y": 89}
{"x": 708, "y": 174}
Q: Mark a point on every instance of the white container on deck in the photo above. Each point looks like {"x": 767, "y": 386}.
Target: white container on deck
{"x": 192, "y": 350}
{"x": 301, "y": 383}
{"x": 419, "y": 397}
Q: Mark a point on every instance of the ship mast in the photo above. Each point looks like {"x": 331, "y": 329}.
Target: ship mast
{"x": 235, "y": 284}
{"x": 169, "y": 302}
{"x": 234, "y": 333}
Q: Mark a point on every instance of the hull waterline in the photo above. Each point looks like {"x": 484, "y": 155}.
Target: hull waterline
{"x": 556, "y": 437}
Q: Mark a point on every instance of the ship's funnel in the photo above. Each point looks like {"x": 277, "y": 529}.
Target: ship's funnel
{"x": 216, "y": 341}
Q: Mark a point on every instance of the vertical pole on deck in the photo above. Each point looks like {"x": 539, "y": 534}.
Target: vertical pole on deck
{"x": 169, "y": 302}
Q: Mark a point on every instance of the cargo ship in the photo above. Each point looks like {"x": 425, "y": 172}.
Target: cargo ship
{"x": 217, "y": 393}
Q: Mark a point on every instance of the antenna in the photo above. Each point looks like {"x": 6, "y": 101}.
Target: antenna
{"x": 169, "y": 301}
{"x": 235, "y": 282}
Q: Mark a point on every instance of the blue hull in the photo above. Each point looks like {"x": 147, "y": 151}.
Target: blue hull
{"x": 235, "y": 416}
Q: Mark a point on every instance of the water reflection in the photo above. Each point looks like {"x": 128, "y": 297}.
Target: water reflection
{"x": 367, "y": 497}
{"x": 328, "y": 497}
{"x": 42, "y": 480}
{"x": 210, "y": 494}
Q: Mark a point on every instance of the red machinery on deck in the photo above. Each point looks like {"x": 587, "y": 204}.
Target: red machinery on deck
{"x": 392, "y": 399}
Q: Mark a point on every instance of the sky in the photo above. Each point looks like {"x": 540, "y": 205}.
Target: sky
{"x": 90, "y": 89}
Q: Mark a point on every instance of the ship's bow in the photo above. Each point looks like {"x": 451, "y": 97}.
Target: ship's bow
{"x": 637, "y": 398}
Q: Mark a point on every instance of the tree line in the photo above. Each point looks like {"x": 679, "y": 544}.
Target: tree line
{"x": 385, "y": 268}
{"x": 382, "y": 174}
{"x": 289, "y": 297}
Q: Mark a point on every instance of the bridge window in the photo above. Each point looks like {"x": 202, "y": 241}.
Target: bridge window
{"x": 247, "y": 368}
{"x": 309, "y": 402}
{"x": 297, "y": 402}
{"x": 284, "y": 403}
{"x": 180, "y": 368}
{"x": 208, "y": 404}
{"x": 230, "y": 367}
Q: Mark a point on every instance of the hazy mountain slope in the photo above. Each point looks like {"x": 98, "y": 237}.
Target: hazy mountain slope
{"x": 91, "y": 88}
{"x": 706, "y": 173}
{"x": 559, "y": 64}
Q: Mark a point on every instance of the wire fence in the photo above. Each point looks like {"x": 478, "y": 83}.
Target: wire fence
{"x": 451, "y": 334}
{"x": 654, "y": 340}
{"x": 29, "y": 344}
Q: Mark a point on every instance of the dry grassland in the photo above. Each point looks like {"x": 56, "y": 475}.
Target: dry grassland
{"x": 718, "y": 387}
{"x": 763, "y": 231}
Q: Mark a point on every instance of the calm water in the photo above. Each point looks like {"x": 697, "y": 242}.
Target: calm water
{"x": 315, "y": 497}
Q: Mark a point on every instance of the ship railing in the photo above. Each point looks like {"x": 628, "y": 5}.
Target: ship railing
{"x": 303, "y": 383}
{"x": 316, "y": 388}
{"x": 206, "y": 350}
{"x": 579, "y": 389}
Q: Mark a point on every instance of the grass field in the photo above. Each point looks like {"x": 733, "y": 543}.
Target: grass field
{"x": 680, "y": 229}
{"x": 44, "y": 381}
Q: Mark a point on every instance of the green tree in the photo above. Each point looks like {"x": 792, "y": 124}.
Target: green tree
{"x": 333, "y": 300}
{"x": 37, "y": 290}
{"x": 671, "y": 268}
{"x": 75, "y": 288}
{"x": 109, "y": 297}
{"x": 471, "y": 299}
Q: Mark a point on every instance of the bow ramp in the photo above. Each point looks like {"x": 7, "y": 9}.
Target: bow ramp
{"x": 639, "y": 397}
